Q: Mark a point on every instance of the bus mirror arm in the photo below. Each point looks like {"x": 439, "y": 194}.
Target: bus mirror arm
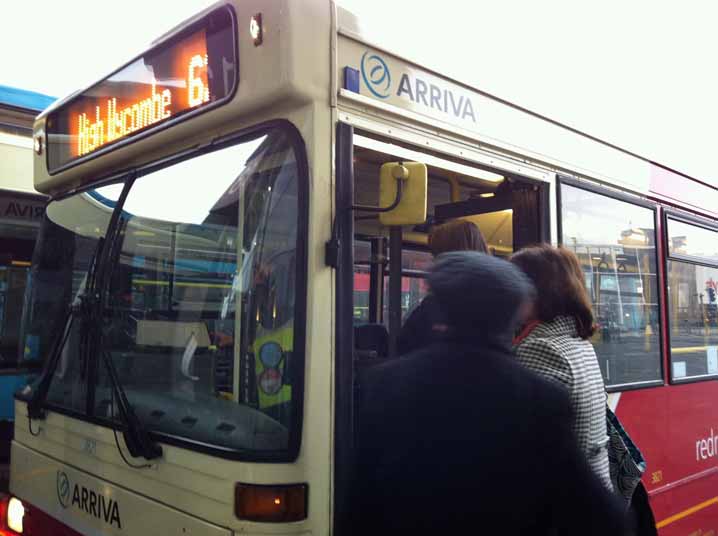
{"x": 401, "y": 174}
{"x": 333, "y": 246}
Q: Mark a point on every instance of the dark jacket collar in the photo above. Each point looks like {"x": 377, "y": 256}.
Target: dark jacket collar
{"x": 499, "y": 342}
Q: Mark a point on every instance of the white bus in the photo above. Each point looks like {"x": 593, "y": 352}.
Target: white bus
{"x": 238, "y": 225}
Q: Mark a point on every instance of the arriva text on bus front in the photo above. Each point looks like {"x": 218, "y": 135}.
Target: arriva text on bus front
{"x": 110, "y": 124}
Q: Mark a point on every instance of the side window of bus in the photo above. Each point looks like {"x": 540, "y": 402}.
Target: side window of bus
{"x": 414, "y": 264}
{"x": 616, "y": 243}
{"x": 692, "y": 302}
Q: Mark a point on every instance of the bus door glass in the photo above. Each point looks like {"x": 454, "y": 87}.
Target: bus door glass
{"x": 414, "y": 265}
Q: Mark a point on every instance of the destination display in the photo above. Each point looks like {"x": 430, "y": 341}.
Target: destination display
{"x": 193, "y": 70}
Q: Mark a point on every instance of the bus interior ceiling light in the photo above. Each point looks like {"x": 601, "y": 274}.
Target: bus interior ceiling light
{"x": 429, "y": 160}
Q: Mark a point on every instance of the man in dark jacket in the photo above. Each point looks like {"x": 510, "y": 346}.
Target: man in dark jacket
{"x": 458, "y": 439}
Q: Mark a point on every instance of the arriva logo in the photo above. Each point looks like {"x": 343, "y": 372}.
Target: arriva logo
{"x": 421, "y": 89}
{"x": 376, "y": 75}
{"x": 91, "y": 502}
{"x": 63, "y": 489}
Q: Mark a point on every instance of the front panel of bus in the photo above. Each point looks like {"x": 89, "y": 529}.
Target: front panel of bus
{"x": 170, "y": 295}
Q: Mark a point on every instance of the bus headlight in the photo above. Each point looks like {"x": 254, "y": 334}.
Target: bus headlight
{"x": 15, "y": 513}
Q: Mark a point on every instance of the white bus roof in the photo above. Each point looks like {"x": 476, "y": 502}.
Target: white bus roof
{"x": 351, "y": 26}
{"x": 493, "y": 121}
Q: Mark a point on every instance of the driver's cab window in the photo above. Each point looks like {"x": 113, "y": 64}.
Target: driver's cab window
{"x": 505, "y": 209}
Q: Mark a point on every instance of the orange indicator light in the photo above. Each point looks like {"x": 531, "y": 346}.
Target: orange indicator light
{"x": 279, "y": 503}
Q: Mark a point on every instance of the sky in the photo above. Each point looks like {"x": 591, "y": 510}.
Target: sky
{"x": 641, "y": 74}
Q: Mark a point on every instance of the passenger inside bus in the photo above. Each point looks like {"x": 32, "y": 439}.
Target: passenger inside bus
{"x": 426, "y": 322}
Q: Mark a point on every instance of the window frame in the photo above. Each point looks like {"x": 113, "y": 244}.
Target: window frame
{"x": 291, "y": 453}
{"x": 562, "y": 180}
{"x": 696, "y": 221}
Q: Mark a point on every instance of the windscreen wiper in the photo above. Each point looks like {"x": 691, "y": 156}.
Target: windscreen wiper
{"x": 89, "y": 307}
{"x": 37, "y": 396}
{"x": 136, "y": 437}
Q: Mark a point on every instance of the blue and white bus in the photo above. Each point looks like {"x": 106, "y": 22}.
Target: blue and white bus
{"x": 21, "y": 211}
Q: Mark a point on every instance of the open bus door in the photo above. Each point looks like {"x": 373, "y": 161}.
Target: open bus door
{"x": 391, "y": 261}
{"x": 380, "y": 277}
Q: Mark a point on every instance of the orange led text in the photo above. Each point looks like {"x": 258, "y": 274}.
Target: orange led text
{"x": 110, "y": 122}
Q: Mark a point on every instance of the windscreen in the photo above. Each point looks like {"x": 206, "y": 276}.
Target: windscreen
{"x": 201, "y": 302}
{"x": 68, "y": 241}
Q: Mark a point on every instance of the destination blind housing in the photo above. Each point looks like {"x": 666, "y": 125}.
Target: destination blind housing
{"x": 193, "y": 70}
